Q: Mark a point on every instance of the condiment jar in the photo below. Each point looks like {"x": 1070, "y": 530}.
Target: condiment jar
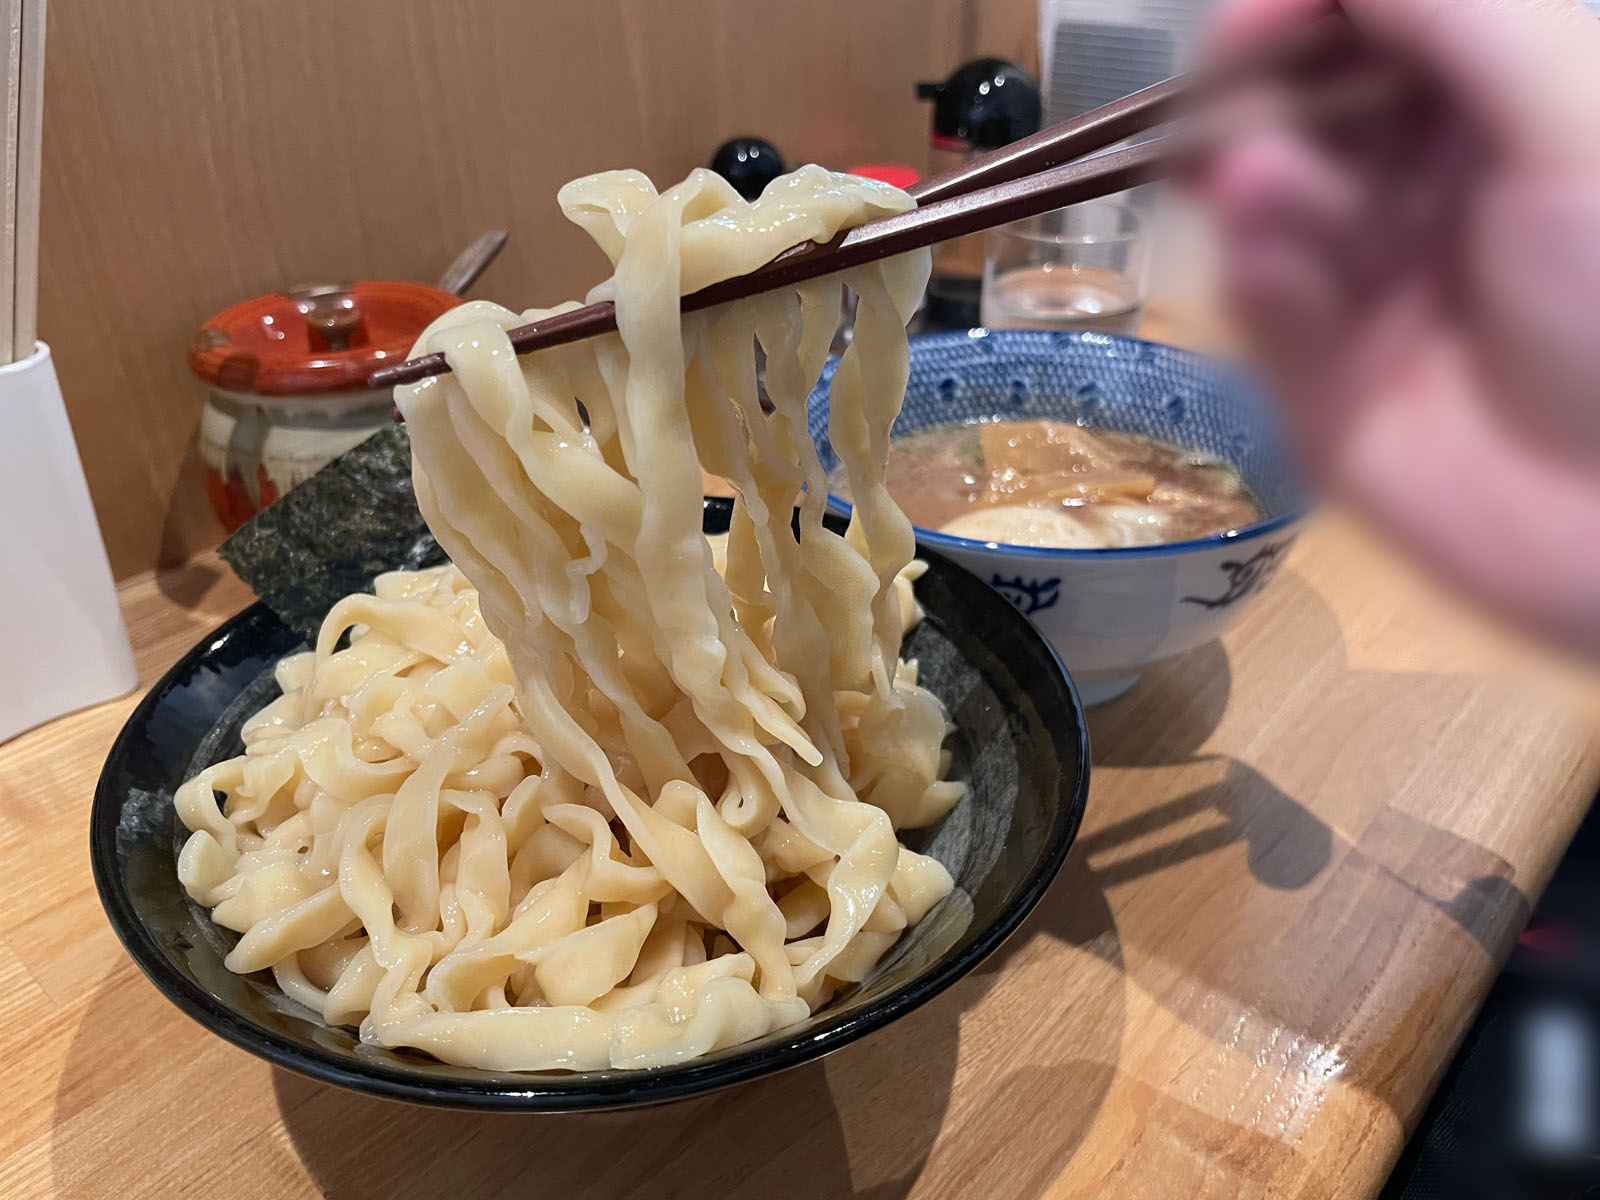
{"x": 287, "y": 375}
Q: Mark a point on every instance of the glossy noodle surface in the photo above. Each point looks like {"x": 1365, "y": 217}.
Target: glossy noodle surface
{"x": 604, "y": 792}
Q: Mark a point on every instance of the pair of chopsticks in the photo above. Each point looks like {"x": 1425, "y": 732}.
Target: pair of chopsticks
{"x": 22, "y": 74}
{"x": 1035, "y": 175}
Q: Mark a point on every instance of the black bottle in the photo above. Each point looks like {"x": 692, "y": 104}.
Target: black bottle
{"x": 986, "y": 104}
{"x": 749, "y": 164}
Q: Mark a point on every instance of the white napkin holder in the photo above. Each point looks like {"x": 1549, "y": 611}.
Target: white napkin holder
{"x": 62, "y": 642}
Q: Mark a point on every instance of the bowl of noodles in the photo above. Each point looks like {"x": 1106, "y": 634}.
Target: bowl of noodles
{"x": 623, "y": 794}
{"x": 1025, "y": 766}
{"x": 1129, "y": 497}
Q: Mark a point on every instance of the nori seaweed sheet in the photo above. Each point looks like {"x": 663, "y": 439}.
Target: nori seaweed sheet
{"x": 332, "y": 535}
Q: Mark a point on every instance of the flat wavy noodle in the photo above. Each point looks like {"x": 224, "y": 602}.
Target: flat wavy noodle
{"x": 605, "y": 792}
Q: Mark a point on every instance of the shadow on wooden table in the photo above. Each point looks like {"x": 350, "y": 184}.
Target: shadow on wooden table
{"x": 190, "y": 523}
{"x": 1387, "y": 893}
{"x": 1169, "y": 713}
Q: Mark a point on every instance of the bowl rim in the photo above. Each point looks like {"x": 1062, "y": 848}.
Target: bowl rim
{"x": 505, "y": 1091}
{"x": 949, "y": 541}
{"x": 963, "y": 545}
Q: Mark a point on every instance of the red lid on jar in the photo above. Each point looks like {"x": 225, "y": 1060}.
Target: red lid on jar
{"x": 314, "y": 339}
{"x": 893, "y": 174}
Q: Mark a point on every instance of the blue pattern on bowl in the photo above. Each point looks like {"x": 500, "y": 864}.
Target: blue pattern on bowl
{"x": 1098, "y": 380}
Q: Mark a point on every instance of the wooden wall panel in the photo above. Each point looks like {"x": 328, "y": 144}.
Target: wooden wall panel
{"x": 198, "y": 153}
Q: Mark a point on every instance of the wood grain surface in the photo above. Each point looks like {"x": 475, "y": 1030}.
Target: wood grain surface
{"x": 197, "y": 154}
{"x": 1306, "y": 850}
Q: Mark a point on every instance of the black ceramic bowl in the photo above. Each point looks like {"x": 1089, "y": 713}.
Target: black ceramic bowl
{"x": 1020, "y": 744}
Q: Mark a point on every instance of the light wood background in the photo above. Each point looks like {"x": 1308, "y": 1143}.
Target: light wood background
{"x": 196, "y": 154}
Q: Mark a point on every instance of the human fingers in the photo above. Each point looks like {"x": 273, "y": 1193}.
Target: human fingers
{"x": 1527, "y": 70}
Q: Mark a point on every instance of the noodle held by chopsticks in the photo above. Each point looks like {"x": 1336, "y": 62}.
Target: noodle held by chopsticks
{"x": 582, "y": 800}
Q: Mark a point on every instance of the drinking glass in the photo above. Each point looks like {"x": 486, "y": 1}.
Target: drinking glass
{"x": 1081, "y": 267}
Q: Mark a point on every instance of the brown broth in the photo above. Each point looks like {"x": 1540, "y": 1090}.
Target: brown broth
{"x": 1053, "y": 483}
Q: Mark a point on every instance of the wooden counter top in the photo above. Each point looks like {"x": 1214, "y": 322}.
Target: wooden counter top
{"x": 1306, "y": 851}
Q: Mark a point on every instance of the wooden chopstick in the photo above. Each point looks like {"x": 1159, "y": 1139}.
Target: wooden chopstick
{"x": 11, "y": 77}
{"x": 30, "y": 134}
{"x": 1029, "y": 177}
{"x": 883, "y": 238}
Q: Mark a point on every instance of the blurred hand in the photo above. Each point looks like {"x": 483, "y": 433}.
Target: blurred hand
{"x": 1426, "y": 301}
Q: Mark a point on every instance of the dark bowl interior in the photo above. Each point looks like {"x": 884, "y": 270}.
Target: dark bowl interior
{"x": 1020, "y": 744}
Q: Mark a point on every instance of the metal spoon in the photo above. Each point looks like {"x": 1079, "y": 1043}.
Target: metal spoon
{"x": 473, "y": 261}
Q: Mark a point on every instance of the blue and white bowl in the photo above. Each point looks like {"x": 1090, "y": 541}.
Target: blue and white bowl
{"x": 1109, "y": 613}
